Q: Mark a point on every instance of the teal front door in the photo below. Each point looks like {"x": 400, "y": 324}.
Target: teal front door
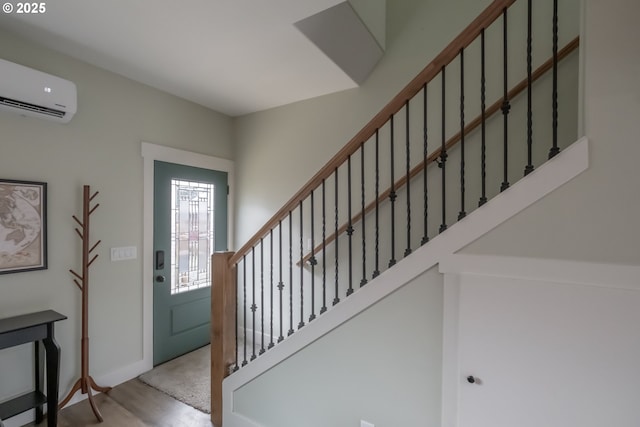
{"x": 190, "y": 224}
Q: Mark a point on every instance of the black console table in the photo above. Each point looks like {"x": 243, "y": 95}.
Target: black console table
{"x": 34, "y": 327}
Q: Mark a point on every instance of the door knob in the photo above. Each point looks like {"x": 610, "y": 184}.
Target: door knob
{"x": 160, "y": 279}
{"x": 471, "y": 379}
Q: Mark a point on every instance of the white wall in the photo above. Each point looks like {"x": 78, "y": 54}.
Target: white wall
{"x": 593, "y": 218}
{"x": 99, "y": 147}
{"x": 551, "y": 342}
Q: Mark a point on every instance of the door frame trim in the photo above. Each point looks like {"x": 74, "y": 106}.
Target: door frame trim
{"x": 150, "y": 153}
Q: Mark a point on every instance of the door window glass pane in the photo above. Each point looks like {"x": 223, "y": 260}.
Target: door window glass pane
{"x": 192, "y": 234}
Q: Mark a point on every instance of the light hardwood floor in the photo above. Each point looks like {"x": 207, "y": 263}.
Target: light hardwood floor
{"x": 133, "y": 404}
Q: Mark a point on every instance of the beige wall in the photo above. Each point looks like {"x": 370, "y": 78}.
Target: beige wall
{"x": 382, "y": 366}
{"x": 593, "y": 218}
{"x": 278, "y": 150}
{"x": 99, "y": 147}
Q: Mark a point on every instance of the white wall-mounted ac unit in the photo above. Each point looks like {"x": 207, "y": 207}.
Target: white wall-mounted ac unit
{"x": 33, "y": 93}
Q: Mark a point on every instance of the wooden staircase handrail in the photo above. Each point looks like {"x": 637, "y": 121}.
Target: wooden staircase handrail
{"x": 490, "y": 111}
{"x": 462, "y": 41}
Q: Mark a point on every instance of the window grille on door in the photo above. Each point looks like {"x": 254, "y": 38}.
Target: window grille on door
{"x": 192, "y": 232}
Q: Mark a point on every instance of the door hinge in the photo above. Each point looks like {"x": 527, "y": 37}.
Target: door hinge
{"x": 227, "y": 190}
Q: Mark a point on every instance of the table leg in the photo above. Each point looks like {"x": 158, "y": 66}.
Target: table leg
{"x": 53, "y": 376}
{"x": 39, "y": 379}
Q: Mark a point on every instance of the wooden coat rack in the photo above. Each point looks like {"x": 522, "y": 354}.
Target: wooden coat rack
{"x": 85, "y": 383}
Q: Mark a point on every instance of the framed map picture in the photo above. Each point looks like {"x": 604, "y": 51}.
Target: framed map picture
{"x": 23, "y": 226}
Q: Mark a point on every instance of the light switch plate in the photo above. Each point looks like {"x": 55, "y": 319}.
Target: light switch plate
{"x": 364, "y": 423}
{"x": 124, "y": 253}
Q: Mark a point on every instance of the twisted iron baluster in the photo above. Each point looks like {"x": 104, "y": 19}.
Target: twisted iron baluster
{"x": 324, "y": 250}
{"x": 281, "y": 282}
{"x": 364, "y": 228}
{"x": 301, "y": 323}
{"x": 407, "y": 251}
{"x": 462, "y": 212}
{"x": 506, "y": 106}
{"x": 555, "y": 149}
{"x": 529, "y": 168}
{"x": 443, "y": 155}
{"x": 425, "y": 155}
{"x": 376, "y": 271}
{"x": 392, "y": 197}
{"x": 483, "y": 150}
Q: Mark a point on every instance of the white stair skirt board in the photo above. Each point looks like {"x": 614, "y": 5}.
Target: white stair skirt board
{"x": 567, "y": 328}
{"x": 546, "y": 178}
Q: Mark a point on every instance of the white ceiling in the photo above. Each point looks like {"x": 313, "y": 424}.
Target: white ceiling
{"x": 233, "y": 56}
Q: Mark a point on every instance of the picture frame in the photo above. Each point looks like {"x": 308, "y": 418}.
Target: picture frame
{"x": 23, "y": 226}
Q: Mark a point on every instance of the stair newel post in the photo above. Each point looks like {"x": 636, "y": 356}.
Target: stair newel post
{"x": 223, "y": 328}
{"x": 85, "y": 383}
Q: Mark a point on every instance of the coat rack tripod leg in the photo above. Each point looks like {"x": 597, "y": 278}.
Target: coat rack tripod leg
{"x": 85, "y": 383}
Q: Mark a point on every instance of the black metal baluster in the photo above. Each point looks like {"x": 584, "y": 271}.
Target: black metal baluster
{"x": 506, "y": 106}
{"x": 313, "y": 262}
{"x": 301, "y": 323}
{"x": 483, "y": 97}
{"x": 262, "y": 350}
{"x": 324, "y": 249}
{"x": 555, "y": 149}
{"x": 349, "y": 227}
{"x": 254, "y": 307}
{"x": 392, "y": 197}
{"x": 235, "y": 282}
{"x": 244, "y": 307}
{"x": 442, "y": 164}
{"x": 281, "y": 282}
{"x": 364, "y": 228}
{"x": 462, "y": 212}
{"x": 271, "y": 289}
{"x": 407, "y": 251}
{"x": 290, "y": 273}
{"x": 425, "y": 156}
{"x": 376, "y": 271}
{"x": 529, "y": 168}
{"x": 336, "y": 298}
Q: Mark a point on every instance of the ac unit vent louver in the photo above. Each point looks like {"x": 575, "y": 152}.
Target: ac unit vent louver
{"x": 32, "y": 107}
